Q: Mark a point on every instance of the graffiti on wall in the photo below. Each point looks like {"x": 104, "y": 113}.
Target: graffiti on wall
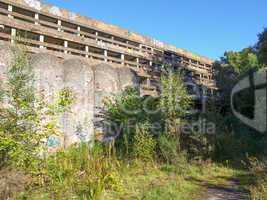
{"x": 55, "y": 11}
{"x": 53, "y": 142}
{"x": 34, "y": 4}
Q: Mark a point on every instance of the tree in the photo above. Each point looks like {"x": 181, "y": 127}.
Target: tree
{"x": 174, "y": 100}
{"x": 125, "y": 113}
{"x": 261, "y": 47}
{"x": 241, "y": 61}
{"x": 26, "y": 120}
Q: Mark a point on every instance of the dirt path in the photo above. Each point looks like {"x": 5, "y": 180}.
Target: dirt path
{"x": 230, "y": 191}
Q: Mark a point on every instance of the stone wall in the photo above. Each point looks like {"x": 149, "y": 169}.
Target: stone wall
{"x": 89, "y": 82}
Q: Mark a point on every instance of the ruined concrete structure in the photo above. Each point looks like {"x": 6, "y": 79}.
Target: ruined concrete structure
{"x": 92, "y": 57}
{"x": 89, "y": 82}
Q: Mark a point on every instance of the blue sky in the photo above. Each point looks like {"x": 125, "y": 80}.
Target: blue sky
{"x": 206, "y": 27}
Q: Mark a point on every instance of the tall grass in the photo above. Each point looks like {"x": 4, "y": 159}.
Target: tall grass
{"x": 81, "y": 172}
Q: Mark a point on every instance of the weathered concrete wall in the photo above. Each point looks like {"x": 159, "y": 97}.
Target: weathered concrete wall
{"x": 89, "y": 83}
{"x": 6, "y": 57}
{"x": 106, "y": 82}
{"x": 127, "y": 78}
{"x": 79, "y": 77}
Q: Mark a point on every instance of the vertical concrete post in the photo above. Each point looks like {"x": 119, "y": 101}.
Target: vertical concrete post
{"x": 87, "y": 51}
{"x": 148, "y": 82}
{"x": 140, "y": 47}
{"x": 96, "y": 34}
{"x": 106, "y": 55}
{"x": 122, "y": 59}
{"x": 66, "y": 46}
{"x": 36, "y": 17}
{"x": 78, "y": 29}
{"x": 13, "y": 35}
{"x": 41, "y": 40}
{"x": 10, "y": 9}
{"x": 59, "y": 24}
{"x": 137, "y": 61}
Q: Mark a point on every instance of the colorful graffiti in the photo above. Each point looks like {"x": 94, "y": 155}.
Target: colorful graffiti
{"x": 53, "y": 142}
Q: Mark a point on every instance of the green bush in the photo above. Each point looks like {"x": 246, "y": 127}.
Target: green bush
{"x": 143, "y": 143}
{"x": 125, "y": 112}
{"x": 168, "y": 148}
{"x": 258, "y": 187}
{"x": 26, "y": 119}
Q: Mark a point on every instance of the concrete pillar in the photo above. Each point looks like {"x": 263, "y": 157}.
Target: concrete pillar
{"x": 36, "y": 17}
{"x": 41, "y": 40}
{"x": 79, "y": 29}
{"x": 140, "y": 46}
{"x": 87, "y": 51}
{"x": 66, "y": 46}
{"x": 137, "y": 61}
{"x": 148, "y": 82}
{"x": 10, "y": 9}
{"x": 122, "y": 59}
{"x": 13, "y": 35}
{"x": 106, "y": 55}
{"x": 96, "y": 33}
{"x": 59, "y": 24}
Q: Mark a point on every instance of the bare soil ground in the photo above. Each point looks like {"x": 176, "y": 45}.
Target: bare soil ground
{"x": 231, "y": 191}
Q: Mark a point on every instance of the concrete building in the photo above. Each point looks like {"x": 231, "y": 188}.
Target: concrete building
{"x": 93, "y": 58}
{"x": 47, "y": 28}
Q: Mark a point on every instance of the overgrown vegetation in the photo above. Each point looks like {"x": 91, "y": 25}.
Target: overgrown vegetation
{"x": 235, "y": 141}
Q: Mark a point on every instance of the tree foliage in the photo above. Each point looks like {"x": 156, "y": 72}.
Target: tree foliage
{"x": 242, "y": 61}
{"x": 261, "y": 47}
{"x": 174, "y": 100}
{"x": 26, "y": 119}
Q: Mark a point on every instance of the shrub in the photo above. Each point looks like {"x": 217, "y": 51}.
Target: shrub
{"x": 168, "y": 148}
{"x": 258, "y": 187}
{"x": 123, "y": 113}
{"x": 26, "y": 119}
{"x": 143, "y": 143}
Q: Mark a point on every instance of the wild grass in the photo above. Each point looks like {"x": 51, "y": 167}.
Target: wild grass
{"x": 90, "y": 174}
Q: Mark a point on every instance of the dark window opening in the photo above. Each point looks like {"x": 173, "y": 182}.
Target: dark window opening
{"x": 23, "y": 11}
